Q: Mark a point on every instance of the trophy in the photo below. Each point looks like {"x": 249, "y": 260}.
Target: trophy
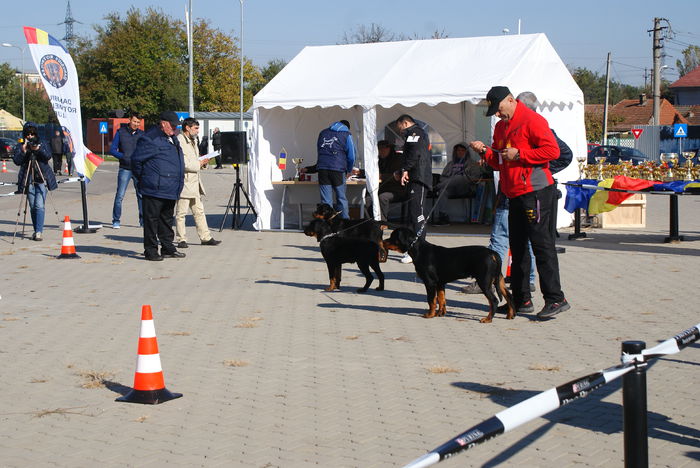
{"x": 665, "y": 158}
{"x": 581, "y": 166}
{"x": 688, "y": 155}
{"x": 297, "y": 162}
{"x": 600, "y": 160}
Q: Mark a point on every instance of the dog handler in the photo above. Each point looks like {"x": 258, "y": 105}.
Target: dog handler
{"x": 523, "y": 145}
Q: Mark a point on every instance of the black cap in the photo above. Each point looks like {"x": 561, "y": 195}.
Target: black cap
{"x": 170, "y": 116}
{"x": 494, "y": 98}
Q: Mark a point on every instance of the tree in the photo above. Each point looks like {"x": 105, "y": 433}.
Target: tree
{"x": 36, "y": 102}
{"x": 593, "y": 86}
{"x": 691, "y": 60}
{"x": 217, "y": 71}
{"x": 267, "y": 73}
{"x": 133, "y": 63}
{"x": 363, "y": 34}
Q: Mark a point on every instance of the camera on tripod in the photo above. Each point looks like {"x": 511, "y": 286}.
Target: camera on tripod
{"x": 32, "y": 140}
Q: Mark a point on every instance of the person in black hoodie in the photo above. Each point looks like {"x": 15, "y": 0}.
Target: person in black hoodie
{"x": 416, "y": 173}
{"x": 35, "y": 175}
{"x": 58, "y": 149}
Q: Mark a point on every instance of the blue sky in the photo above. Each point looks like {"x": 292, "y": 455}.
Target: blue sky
{"x": 581, "y": 32}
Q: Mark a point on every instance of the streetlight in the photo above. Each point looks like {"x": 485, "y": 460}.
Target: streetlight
{"x": 7, "y": 44}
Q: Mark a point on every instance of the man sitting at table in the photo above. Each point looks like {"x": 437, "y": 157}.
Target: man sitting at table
{"x": 390, "y": 188}
{"x": 458, "y": 180}
{"x": 336, "y": 156}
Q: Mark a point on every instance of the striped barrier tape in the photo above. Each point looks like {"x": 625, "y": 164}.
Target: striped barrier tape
{"x": 550, "y": 400}
{"x": 62, "y": 181}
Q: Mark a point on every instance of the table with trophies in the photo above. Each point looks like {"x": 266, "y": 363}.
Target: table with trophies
{"x": 302, "y": 190}
{"x": 670, "y": 176}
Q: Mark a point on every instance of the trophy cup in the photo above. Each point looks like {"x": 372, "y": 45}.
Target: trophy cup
{"x": 600, "y": 160}
{"x": 665, "y": 158}
{"x": 688, "y": 155}
{"x": 581, "y": 166}
{"x": 297, "y": 162}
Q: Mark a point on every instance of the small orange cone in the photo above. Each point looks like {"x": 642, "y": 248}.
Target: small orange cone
{"x": 4, "y": 166}
{"x": 65, "y": 171}
{"x": 68, "y": 247}
{"x": 149, "y": 385}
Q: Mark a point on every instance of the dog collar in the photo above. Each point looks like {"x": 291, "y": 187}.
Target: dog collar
{"x": 327, "y": 236}
{"x": 334, "y": 216}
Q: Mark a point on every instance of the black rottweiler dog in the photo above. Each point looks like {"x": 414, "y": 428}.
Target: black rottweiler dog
{"x": 337, "y": 250}
{"x": 359, "y": 228}
{"x": 437, "y": 266}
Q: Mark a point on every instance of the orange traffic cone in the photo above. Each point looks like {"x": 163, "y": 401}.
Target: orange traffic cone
{"x": 4, "y": 166}
{"x": 68, "y": 247}
{"x": 149, "y": 385}
{"x": 510, "y": 262}
{"x": 65, "y": 171}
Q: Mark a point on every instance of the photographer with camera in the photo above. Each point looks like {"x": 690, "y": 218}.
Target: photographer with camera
{"x": 35, "y": 175}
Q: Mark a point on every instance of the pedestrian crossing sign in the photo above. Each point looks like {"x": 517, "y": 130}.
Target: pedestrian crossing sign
{"x": 103, "y": 127}
{"x": 680, "y": 130}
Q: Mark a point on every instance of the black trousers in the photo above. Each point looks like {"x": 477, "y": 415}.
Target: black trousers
{"x": 416, "y": 205}
{"x": 530, "y": 218}
{"x": 158, "y": 225}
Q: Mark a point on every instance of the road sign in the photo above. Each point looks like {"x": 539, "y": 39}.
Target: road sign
{"x": 680, "y": 130}
{"x": 637, "y": 132}
{"x": 103, "y": 127}
{"x": 182, "y": 116}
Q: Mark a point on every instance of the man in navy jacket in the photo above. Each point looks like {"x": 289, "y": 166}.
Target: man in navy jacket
{"x": 159, "y": 166}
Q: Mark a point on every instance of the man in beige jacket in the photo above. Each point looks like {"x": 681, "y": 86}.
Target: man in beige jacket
{"x": 190, "y": 197}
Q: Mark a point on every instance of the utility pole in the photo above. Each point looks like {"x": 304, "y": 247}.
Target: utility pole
{"x": 240, "y": 122}
{"x": 657, "y": 46}
{"x": 190, "y": 52}
{"x": 605, "y": 106}
{"x": 70, "y": 37}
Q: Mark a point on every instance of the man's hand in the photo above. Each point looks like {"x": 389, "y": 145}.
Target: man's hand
{"x": 404, "y": 178}
{"x": 478, "y": 146}
{"x": 510, "y": 154}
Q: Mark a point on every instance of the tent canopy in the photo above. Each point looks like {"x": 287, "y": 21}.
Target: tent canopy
{"x": 415, "y": 72}
{"x": 442, "y": 82}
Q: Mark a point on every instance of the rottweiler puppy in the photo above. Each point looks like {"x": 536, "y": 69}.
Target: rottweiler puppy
{"x": 337, "y": 250}
{"x": 359, "y": 228}
{"x": 437, "y": 266}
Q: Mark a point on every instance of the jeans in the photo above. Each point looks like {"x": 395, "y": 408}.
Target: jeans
{"x": 342, "y": 201}
{"x": 122, "y": 182}
{"x": 499, "y": 242}
{"x": 36, "y": 196}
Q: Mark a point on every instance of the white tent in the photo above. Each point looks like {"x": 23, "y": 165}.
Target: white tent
{"x": 442, "y": 82}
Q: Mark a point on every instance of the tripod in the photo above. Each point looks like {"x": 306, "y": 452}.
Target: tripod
{"x": 235, "y": 197}
{"x": 29, "y": 178}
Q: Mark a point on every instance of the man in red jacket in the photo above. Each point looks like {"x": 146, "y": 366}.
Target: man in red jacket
{"x": 523, "y": 145}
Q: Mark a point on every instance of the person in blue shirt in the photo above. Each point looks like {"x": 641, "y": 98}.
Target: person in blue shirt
{"x": 122, "y": 148}
{"x": 336, "y": 156}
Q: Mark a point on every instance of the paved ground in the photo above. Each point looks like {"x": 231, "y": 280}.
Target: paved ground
{"x": 277, "y": 373}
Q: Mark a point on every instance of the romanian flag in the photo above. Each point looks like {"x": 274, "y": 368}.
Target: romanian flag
{"x": 60, "y": 79}
{"x": 282, "y": 164}
{"x": 600, "y": 201}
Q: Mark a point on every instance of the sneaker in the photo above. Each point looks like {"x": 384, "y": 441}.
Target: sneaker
{"x": 182, "y": 245}
{"x": 37, "y": 236}
{"x": 552, "y": 309}
{"x": 406, "y": 258}
{"x": 472, "y": 288}
{"x": 211, "y": 241}
{"x": 174, "y": 254}
{"x": 524, "y": 308}
{"x": 116, "y": 225}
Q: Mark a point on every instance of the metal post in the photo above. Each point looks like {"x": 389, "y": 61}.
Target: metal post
{"x": 190, "y": 52}
{"x": 240, "y": 123}
{"x": 85, "y": 228}
{"x": 634, "y": 402}
{"x": 605, "y": 106}
{"x": 577, "y": 226}
{"x": 673, "y": 234}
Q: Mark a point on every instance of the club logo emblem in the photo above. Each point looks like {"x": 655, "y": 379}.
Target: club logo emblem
{"x": 53, "y": 70}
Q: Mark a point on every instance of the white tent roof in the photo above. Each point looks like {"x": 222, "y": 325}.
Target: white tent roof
{"x": 415, "y": 72}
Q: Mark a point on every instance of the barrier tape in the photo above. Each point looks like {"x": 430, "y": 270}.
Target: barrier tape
{"x": 62, "y": 181}
{"x": 550, "y": 400}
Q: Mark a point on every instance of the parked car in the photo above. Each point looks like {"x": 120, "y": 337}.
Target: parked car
{"x": 614, "y": 154}
{"x": 591, "y": 146}
{"x": 7, "y": 147}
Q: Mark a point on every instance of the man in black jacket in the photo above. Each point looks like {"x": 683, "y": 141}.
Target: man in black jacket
{"x": 416, "y": 173}
{"x": 122, "y": 147}
{"x": 216, "y": 143}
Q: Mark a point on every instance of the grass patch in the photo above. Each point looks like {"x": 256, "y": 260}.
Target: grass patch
{"x": 443, "y": 370}
{"x": 94, "y": 379}
{"x": 545, "y": 367}
{"x": 235, "y": 363}
{"x": 175, "y": 333}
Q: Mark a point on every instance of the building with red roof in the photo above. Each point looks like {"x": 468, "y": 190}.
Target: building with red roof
{"x": 687, "y": 88}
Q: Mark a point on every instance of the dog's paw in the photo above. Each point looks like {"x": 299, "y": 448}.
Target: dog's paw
{"x": 485, "y": 320}
{"x": 379, "y": 288}
{"x": 429, "y": 315}
{"x": 361, "y": 290}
